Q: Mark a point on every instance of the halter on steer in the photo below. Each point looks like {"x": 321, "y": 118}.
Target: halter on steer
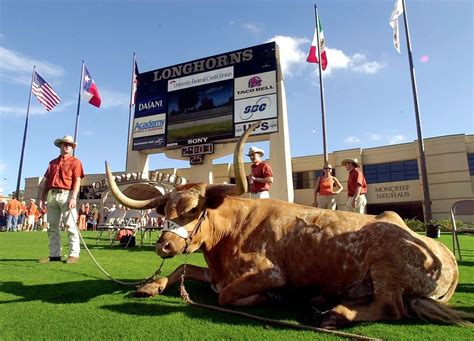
{"x": 171, "y": 226}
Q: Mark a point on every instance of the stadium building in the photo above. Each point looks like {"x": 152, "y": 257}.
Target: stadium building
{"x": 392, "y": 173}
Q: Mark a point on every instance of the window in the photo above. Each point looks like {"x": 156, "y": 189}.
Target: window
{"x": 394, "y": 171}
{"x": 305, "y": 180}
{"x": 470, "y": 161}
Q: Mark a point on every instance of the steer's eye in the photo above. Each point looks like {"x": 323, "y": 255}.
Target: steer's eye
{"x": 193, "y": 210}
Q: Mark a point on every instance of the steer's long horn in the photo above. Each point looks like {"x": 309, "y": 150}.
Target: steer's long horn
{"x": 129, "y": 202}
{"x": 240, "y": 179}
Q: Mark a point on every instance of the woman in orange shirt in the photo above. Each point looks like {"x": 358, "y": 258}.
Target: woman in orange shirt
{"x": 82, "y": 217}
{"x": 326, "y": 188}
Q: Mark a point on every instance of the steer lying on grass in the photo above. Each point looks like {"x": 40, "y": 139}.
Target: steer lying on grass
{"x": 375, "y": 266}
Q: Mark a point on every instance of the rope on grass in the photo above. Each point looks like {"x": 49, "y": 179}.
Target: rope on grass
{"x": 146, "y": 280}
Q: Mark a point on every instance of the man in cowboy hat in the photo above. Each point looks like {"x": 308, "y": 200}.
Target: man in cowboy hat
{"x": 356, "y": 186}
{"x": 261, "y": 174}
{"x": 60, "y": 189}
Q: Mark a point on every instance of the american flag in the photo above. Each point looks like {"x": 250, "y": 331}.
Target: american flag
{"x": 44, "y": 92}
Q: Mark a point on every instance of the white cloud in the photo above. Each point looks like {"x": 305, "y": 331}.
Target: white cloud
{"x": 337, "y": 59}
{"x": 253, "y": 28}
{"x": 292, "y": 57}
{"x": 112, "y": 99}
{"x": 397, "y": 139}
{"x": 359, "y": 63}
{"x": 352, "y": 140}
{"x": 17, "y": 68}
{"x": 373, "y": 137}
{"x": 294, "y": 50}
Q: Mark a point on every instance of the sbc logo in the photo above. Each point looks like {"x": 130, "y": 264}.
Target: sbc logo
{"x": 262, "y": 104}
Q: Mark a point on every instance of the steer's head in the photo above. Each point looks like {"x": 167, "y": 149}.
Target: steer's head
{"x": 184, "y": 208}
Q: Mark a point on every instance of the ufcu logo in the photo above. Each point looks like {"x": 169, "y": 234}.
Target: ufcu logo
{"x": 150, "y": 105}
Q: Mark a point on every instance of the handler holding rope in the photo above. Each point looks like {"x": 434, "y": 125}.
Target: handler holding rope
{"x": 60, "y": 190}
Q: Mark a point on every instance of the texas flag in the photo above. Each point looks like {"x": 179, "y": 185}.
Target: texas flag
{"x": 89, "y": 89}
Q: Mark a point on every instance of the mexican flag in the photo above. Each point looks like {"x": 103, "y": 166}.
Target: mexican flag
{"x": 313, "y": 52}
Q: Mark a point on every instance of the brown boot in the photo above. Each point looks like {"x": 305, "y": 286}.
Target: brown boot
{"x": 72, "y": 260}
{"x": 49, "y": 259}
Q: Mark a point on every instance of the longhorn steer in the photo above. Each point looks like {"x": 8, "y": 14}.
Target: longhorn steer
{"x": 379, "y": 267}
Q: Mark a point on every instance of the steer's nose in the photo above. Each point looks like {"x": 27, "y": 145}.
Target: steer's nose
{"x": 165, "y": 249}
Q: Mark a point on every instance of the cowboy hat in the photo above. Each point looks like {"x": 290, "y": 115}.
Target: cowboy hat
{"x": 33, "y": 200}
{"x": 65, "y": 139}
{"x": 353, "y": 161}
{"x": 253, "y": 150}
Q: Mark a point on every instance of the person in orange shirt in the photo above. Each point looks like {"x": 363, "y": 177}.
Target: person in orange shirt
{"x": 60, "y": 188}
{"x": 13, "y": 210}
{"x": 22, "y": 217}
{"x": 261, "y": 174}
{"x": 32, "y": 215}
{"x": 356, "y": 187}
{"x": 326, "y": 189}
{"x": 82, "y": 217}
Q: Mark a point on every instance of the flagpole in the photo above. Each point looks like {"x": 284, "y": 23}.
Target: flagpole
{"x": 421, "y": 147}
{"x": 78, "y": 107}
{"x": 321, "y": 87}
{"x": 24, "y": 137}
{"x": 130, "y": 110}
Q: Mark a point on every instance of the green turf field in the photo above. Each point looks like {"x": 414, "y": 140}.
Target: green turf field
{"x": 58, "y": 301}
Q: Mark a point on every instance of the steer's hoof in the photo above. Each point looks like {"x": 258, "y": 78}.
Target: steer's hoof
{"x": 148, "y": 290}
{"x": 333, "y": 320}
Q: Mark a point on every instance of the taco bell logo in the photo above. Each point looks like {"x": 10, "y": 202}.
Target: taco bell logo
{"x": 255, "y": 81}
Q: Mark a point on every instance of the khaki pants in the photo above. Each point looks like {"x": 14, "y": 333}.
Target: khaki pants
{"x": 58, "y": 210}
{"x": 360, "y": 204}
{"x": 327, "y": 201}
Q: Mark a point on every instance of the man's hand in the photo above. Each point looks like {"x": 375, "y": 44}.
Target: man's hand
{"x": 72, "y": 203}
{"x": 41, "y": 204}
{"x": 353, "y": 202}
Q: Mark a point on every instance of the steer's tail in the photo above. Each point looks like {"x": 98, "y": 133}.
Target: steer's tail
{"x": 429, "y": 309}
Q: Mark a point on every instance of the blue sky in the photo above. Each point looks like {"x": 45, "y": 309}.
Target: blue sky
{"x": 367, "y": 83}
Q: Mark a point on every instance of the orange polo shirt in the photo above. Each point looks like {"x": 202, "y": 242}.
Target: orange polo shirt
{"x": 262, "y": 170}
{"x": 62, "y": 171}
{"x": 13, "y": 207}
{"x": 356, "y": 178}
{"x": 33, "y": 209}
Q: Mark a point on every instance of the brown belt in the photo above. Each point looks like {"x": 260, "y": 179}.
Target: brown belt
{"x": 59, "y": 190}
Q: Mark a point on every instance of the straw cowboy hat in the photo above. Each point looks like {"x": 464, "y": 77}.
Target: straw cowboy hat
{"x": 65, "y": 139}
{"x": 353, "y": 161}
{"x": 253, "y": 150}
{"x": 33, "y": 200}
